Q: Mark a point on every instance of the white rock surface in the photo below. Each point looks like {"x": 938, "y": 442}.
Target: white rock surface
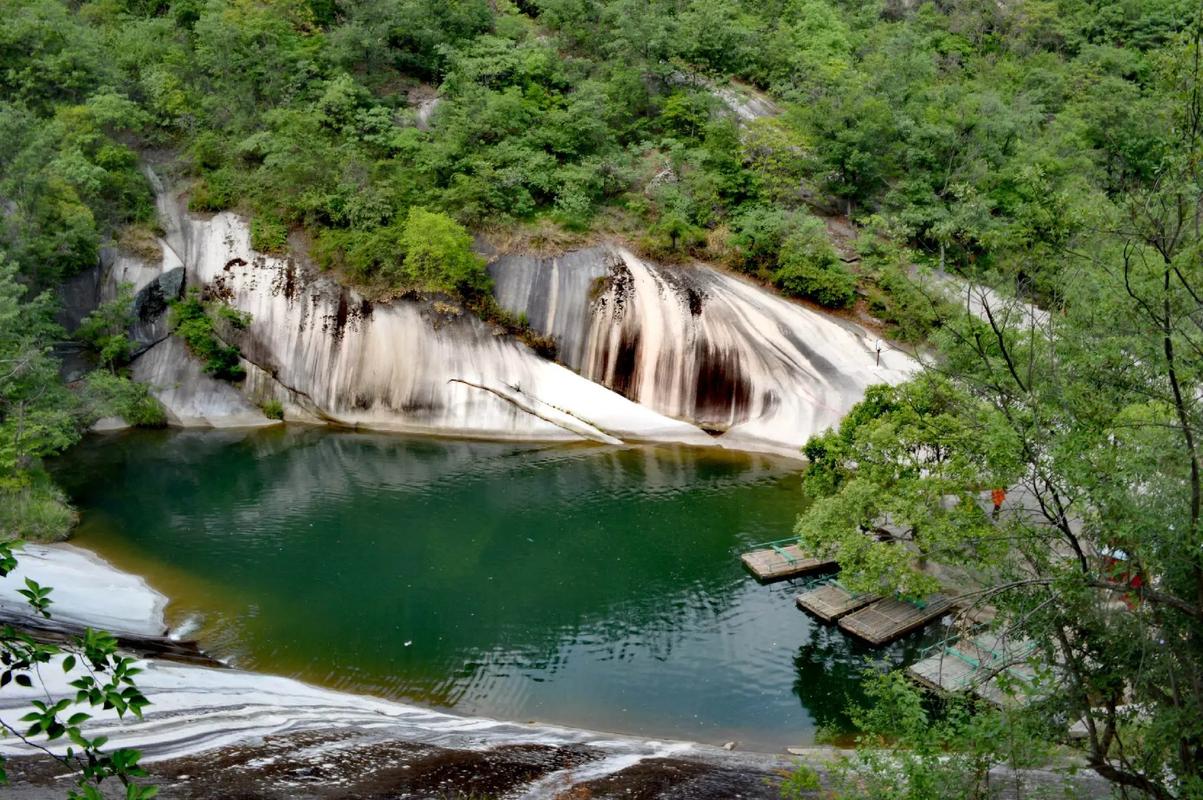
{"x": 191, "y": 398}
{"x": 701, "y": 345}
{"x": 983, "y": 302}
{"x": 126, "y": 268}
{"x": 745, "y": 102}
{"x": 408, "y": 365}
{"x": 87, "y": 590}
{"x": 194, "y": 709}
{"x": 656, "y": 354}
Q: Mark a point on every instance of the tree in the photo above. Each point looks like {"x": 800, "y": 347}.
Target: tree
{"x": 808, "y": 266}
{"x": 848, "y": 127}
{"x": 407, "y": 35}
{"x": 757, "y": 234}
{"x": 1092, "y": 417}
{"x": 106, "y": 329}
{"x": 438, "y": 254}
{"x": 717, "y": 34}
{"x": 899, "y": 482}
{"x": 36, "y": 410}
{"x": 194, "y": 320}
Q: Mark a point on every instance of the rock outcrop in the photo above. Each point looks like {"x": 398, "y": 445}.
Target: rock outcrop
{"x": 87, "y": 591}
{"x": 328, "y": 354}
{"x": 699, "y": 345}
{"x": 150, "y": 309}
{"x": 191, "y": 398}
{"x": 648, "y": 353}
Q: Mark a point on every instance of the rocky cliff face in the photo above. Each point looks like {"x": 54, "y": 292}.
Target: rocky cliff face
{"x": 328, "y": 354}
{"x": 649, "y": 353}
{"x": 699, "y": 345}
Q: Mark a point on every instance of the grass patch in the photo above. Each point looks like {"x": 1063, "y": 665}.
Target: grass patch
{"x": 273, "y": 409}
{"x": 36, "y": 512}
{"x": 139, "y": 239}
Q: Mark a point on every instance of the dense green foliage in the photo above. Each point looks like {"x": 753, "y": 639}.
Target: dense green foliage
{"x": 981, "y": 132}
{"x": 980, "y": 135}
{"x": 68, "y": 179}
{"x": 913, "y": 749}
{"x": 438, "y": 254}
{"x": 106, "y": 328}
{"x": 807, "y": 266}
{"x": 427, "y": 250}
{"x": 1092, "y": 417}
{"x": 194, "y": 320}
{"x": 39, "y": 416}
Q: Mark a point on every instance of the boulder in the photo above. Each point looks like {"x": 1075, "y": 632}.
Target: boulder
{"x": 150, "y": 309}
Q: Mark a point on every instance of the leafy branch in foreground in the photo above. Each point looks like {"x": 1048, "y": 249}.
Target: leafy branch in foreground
{"x": 100, "y": 677}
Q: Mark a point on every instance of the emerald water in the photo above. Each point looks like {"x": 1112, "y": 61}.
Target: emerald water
{"x": 589, "y": 586}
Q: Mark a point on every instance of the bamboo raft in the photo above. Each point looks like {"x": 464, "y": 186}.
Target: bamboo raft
{"x": 888, "y": 619}
{"x": 831, "y": 601}
{"x": 975, "y": 665}
{"x": 774, "y": 561}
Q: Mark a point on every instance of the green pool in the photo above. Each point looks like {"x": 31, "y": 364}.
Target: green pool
{"x": 588, "y": 586}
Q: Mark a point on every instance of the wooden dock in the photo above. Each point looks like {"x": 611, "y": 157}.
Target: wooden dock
{"x": 887, "y": 619}
{"x": 831, "y": 601}
{"x": 777, "y": 560}
{"x": 975, "y": 665}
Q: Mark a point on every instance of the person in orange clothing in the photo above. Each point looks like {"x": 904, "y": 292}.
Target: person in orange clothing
{"x": 997, "y": 495}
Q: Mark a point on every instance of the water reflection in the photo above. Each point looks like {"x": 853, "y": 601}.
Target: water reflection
{"x": 574, "y": 584}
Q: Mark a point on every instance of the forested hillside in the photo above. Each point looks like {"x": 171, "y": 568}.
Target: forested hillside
{"x": 984, "y": 136}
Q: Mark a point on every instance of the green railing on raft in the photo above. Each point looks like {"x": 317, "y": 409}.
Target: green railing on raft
{"x": 778, "y": 546}
{"x": 951, "y": 649}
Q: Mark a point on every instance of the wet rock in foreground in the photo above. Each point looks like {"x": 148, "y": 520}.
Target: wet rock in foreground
{"x": 321, "y": 765}
{"x": 679, "y": 779}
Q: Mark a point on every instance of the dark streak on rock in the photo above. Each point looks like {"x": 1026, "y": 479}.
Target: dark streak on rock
{"x": 769, "y": 402}
{"x": 684, "y": 283}
{"x": 287, "y": 281}
{"x": 614, "y": 290}
{"x": 340, "y": 316}
{"x": 625, "y": 376}
{"x": 218, "y": 289}
{"x": 664, "y": 778}
{"x": 723, "y": 394}
{"x": 346, "y": 313}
